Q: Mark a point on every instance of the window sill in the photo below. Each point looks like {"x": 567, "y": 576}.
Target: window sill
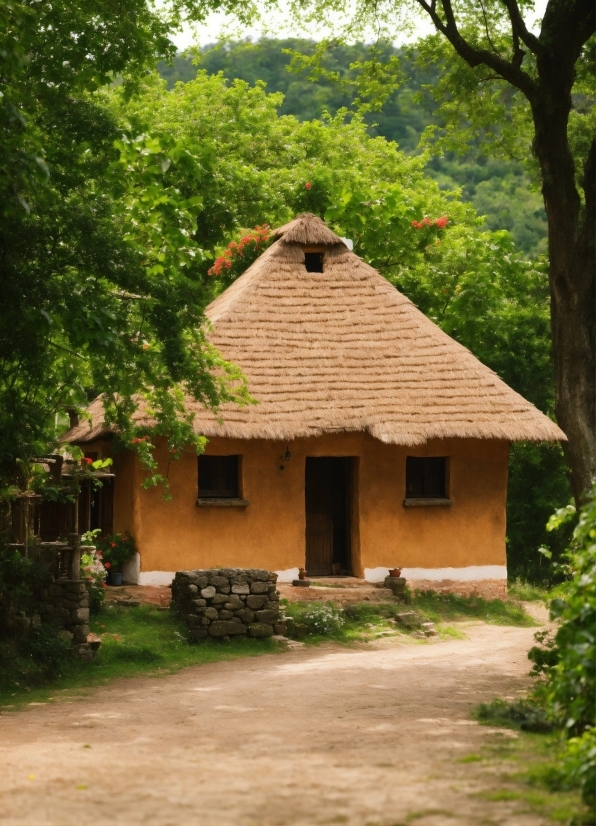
{"x": 222, "y": 503}
{"x": 426, "y": 502}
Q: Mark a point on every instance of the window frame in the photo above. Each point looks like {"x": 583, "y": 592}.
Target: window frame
{"x": 426, "y": 495}
{"x": 220, "y": 492}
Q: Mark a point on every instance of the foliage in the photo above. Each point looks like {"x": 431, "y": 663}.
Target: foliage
{"x": 499, "y": 189}
{"x": 33, "y": 659}
{"x": 116, "y": 549}
{"x": 569, "y": 662}
{"x": 538, "y": 483}
{"x": 579, "y": 765}
{"x": 95, "y": 235}
{"x": 20, "y": 578}
{"x": 94, "y": 573}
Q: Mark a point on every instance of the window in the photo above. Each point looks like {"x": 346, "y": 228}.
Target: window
{"x": 218, "y": 477}
{"x": 313, "y": 261}
{"x": 425, "y": 477}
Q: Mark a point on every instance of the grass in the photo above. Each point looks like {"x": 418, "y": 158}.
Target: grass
{"x": 519, "y": 714}
{"x": 529, "y": 762}
{"x": 451, "y": 608}
{"x": 135, "y": 641}
{"x": 147, "y": 640}
{"x": 527, "y": 769}
{"x": 318, "y": 622}
{"x": 526, "y": 592}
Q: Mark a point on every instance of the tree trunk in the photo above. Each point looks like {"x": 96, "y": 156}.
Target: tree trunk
{"x": 571, "y": 240}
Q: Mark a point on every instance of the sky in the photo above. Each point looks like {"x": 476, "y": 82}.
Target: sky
{"x": 218, "y": 25}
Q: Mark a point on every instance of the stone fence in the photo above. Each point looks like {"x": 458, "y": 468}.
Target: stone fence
{"x": 228, "y": 602}
{"x": 65, "y": 603}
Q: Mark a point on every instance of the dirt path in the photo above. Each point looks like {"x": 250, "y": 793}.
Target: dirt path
{"x": 363, "y": 737}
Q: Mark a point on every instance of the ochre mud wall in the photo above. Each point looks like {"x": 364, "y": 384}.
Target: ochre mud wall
{"x": 270, "y": 532}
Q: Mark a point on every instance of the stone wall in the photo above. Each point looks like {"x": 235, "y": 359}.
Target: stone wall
{"x": 65, "y": 602}
{"x": 228, "y": 602}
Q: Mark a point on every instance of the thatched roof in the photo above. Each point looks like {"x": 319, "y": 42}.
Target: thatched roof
{"x": 343, "y": 350}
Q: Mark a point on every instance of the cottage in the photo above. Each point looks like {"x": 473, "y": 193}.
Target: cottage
{"x": 377, "y": 440}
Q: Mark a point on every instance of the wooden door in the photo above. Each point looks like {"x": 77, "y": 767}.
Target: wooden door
{"x": 319, "y": 516}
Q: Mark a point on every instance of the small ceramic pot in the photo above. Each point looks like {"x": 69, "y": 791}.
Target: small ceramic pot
{"x": 116, "y": 578}
{"x": 394, "y": 571}
{"x": 301, "y": 573}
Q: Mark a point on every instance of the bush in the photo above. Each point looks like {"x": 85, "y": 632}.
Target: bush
{"x": 116, "y": 549}
{"x": 579, "y": 765}
{"x": 569, "y": 659}
{"x": 326, "y": 620}
{"x": 34, "y": 658}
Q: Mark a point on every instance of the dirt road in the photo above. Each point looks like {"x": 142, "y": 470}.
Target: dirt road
{"x": 369, "y": 736}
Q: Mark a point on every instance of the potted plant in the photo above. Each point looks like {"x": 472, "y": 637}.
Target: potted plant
{"x": 116, "y": 549}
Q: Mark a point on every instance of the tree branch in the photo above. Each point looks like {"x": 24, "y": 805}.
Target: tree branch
{"x": 520, "y": 32}
{"x": 477, "y": 57}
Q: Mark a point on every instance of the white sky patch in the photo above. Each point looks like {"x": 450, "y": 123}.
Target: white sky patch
{"x": 280, "y": 25}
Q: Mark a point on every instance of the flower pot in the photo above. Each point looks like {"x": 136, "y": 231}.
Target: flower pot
{"x": 116, "y": 578}
{"x": 394, "y": 571}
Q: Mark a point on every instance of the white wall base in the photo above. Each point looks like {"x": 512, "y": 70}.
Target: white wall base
{"x": 472, "y": 573}
{"x": 287, "y": 575}
{"x": 156, "y": 577}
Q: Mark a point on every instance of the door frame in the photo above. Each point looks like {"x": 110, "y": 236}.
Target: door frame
{"x": 352, "y": 466}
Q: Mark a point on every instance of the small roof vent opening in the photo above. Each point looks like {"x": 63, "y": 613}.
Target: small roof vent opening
{"x": 313, "y": 261}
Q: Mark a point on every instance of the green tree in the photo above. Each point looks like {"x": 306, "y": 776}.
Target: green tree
{"x": 98, "y": 295}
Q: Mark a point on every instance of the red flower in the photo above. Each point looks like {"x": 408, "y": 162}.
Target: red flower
{"x": 112, "y": 544}
{"x": 308, "y": 185}
{"x": 441, "y": 222}
{"x": 87, "y": 461}
{"x": 107, "y": 565}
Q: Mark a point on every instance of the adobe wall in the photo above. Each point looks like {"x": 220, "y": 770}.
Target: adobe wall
{"x": 463, "y": 543}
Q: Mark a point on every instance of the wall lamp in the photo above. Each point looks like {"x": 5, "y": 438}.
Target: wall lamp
{"x": 285, "y": 458}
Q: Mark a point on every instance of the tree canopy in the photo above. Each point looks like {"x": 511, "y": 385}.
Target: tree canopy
{"x": 499, "y": 188}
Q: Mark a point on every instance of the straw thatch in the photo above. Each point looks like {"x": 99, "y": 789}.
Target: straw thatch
{"x": 343, "y": 350}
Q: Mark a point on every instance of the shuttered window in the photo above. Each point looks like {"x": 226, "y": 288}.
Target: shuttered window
{"x": 426, "y": 477}
{"x": 218, "y": 477}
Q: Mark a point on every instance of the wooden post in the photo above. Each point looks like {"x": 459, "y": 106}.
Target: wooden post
{"x": 74, "y": 540}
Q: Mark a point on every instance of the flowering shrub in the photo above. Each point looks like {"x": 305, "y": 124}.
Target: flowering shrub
{"x": 94, "y": 573}
{"x": 440, "y": 223}
{"x": 323, "y": 619}
{"x": 239, "y": 255}
{"x": 116, "y": 549}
